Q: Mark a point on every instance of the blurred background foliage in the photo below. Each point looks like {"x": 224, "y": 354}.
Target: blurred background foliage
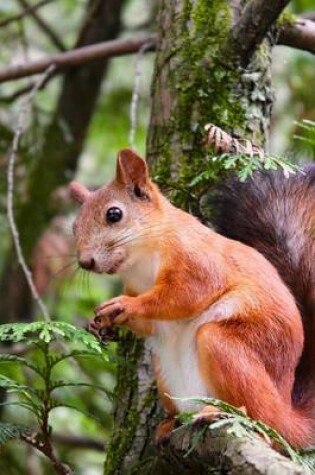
{"x": 71, "y": 295}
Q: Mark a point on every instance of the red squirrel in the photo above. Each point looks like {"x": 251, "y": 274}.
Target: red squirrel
{"x": 221, "y": 321}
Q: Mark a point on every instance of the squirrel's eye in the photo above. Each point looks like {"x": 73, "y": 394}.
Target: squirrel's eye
{"x": 113, "y": 215}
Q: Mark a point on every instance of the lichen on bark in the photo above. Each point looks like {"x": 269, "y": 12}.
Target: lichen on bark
{"x": 197, "y": 82}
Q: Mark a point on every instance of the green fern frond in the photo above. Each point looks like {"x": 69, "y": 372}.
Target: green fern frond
{"x": 12, "y": 386}
{"x": 47, "y": 332}
{"x": 24, "y": 405}
{"x": 73, "y": 354}
{"x": 241, "y": 425}
{"x": 243, "y": 165}
{"x": 5, "y": 358}
{"x": 11, "y": 431}
{"x": 308, "y": 130}
{"x": 64, "y": 384}
{"x": 56, "y": 404}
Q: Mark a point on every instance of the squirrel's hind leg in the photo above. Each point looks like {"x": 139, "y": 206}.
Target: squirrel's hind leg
{"x": 235, "y": 374}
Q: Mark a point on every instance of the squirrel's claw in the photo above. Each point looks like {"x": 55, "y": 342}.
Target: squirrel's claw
{"x": 107, "y": 313}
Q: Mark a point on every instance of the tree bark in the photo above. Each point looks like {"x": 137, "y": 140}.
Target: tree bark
{"x": 194, "y": 84}
{"x": 62, "y": 145}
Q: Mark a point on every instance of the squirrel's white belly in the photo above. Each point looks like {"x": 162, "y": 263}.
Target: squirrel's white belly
{"x": 175, "y": 347}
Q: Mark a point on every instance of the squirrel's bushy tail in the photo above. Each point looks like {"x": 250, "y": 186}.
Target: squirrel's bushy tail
{"x": 276, "y": 215}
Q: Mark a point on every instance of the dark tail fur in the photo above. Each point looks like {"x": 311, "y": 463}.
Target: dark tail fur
{"x": 276, "y": 215}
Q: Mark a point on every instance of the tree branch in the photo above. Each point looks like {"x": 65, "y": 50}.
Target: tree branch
{"x": 223, "y": 451}
{"x": 43, "y": 25}
{"x": 309, "y": 15}
{"x": 24, "y": 13}
{"x": 299, "y": 34}
{"x": 94, "y": 52}
{"x": 77, "y": 442}
{"x": 255, "y": 20}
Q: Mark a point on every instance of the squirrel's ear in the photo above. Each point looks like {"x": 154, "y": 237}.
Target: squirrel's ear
{"x": 78, "y": 192}
{"x": 131, "y": 169}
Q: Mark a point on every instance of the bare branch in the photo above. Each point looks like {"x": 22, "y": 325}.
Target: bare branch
{"x": 299, "y": 34}
{"x": 43, "y": 25}
{"x": 309, "y": 15}
{"x": 25, "y": 12}
{"x": 95, "y": 52}
{"x": 7, "y": 99}
{"x": 255, "y": 21}
{"x": 10, "y": 194}
{"x": 77, "y": 442}
{"x": 44, "y": 446}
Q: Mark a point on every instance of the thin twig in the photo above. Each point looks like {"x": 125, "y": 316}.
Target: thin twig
{"x": 24, "y": 13}
{"x": 299, "y": 34}
{"x": 43, "y": 25}
{"x": 136, "y": 90}
{"x": 20, "y": 129}
{"x": 79, "y": 442}
{"x": 7, "y": 99}
{"x": 254, "y": 22}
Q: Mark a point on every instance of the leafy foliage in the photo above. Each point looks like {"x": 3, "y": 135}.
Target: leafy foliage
{"x": 48, "y": 332}
{"x": 243, "y": 165}
{"x": 307, "y": 133}
{"x": 42, "y": 340}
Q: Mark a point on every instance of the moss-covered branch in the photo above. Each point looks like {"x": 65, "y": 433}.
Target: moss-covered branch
{"x": 220, "y": 451}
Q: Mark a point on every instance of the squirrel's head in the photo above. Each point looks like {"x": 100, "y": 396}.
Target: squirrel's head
{"x": 116, "y": 220}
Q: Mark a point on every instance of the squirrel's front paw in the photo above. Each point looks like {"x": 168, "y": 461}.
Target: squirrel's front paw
{"x": 113, "y": 312}
{"x": 104, "y": 334}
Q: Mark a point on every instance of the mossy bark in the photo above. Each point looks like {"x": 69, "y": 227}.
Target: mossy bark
{"x": 195, "y": 82}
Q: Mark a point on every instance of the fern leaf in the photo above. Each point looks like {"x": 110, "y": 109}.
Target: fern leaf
{"x": 5, "y": 358}
{"x": 46, "y": 332}
{"x": 13, "y": 386}
{"x": 24, "y": 405}
{"x": 56, "y": 404}
{"x": 11, "y": 431}
{"x": 73, "y": 354}
{"x": 65, "y": 384}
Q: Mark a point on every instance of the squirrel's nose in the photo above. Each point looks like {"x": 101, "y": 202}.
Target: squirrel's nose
{"x": 87, "y": 262}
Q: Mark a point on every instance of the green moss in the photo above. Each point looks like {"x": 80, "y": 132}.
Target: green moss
{"x": 286, "y": 18}
{"x": 204, "y": 86}
{"x": 130, "y": 351}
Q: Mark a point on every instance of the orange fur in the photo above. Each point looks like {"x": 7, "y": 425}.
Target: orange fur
{"x": 249, "y": 335}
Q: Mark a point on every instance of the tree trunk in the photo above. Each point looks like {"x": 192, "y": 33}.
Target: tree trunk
{"x": 62, "y": 145}
{"x": 195, "y": 82}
